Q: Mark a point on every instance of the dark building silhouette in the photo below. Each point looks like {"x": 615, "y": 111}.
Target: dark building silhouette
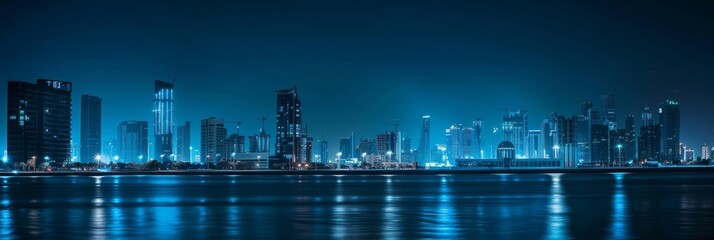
{"x": 183, "y": 142}
{"x": 39, "y": 121}
{"x": 259, "y": 142}
{"x": 425, "y": 142}
{"x": 649, "y": 140}
{"x": 549, "y": 135}
{"x": 236, "y": 144}
{"x": 288, "y": 142}
{"x": 669, "y": 131}
{"x": 133, "y": 141}
{"x": 566, "y": 149}
{"x": 609, "y": 116}
{"x": 324, "y": 151}
{"x": 91, "y": 130}
{"x": 478, "y": 138}
{"x": 163, "y": 120}
{"x": 630, "y": 138}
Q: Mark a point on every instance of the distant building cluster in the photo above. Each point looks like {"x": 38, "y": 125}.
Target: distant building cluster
{"x": 39, "y": 132}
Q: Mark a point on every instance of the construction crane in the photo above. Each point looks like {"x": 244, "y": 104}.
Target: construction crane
{"x": 262, "y": 119}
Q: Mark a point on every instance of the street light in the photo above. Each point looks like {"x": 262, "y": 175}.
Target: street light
{"x": 116, "y": 158}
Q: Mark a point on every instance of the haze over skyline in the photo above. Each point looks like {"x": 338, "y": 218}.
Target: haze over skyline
{"x": 357, "y": 65}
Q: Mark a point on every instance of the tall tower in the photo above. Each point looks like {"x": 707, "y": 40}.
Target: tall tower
{"x": 515, "y": 130}
{"x": 39, "y": 121}
{"x": 183, "y": 142}
{"x": 609, "y": 116}
{"x": 91, "y": 131}
{"x": 163, "y": 120}
{"x": 630, "y": 137}
{"x": 669, "y": 129}
{"x": 425, "y": 141}
{"x": 477, "y": 128}
{"x": 133, "y": 141}
{"x": 648, "y": 142}
{"x": 288, "y": 142}
{"x": 213, "y": 140}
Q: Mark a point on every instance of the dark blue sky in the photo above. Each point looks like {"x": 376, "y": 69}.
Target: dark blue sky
{"x": 359, "y": 64}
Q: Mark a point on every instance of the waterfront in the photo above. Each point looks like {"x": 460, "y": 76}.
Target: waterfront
{"x": 486, "y": 206}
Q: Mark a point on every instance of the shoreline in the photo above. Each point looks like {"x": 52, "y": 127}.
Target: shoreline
{"x": 365, "y": 172}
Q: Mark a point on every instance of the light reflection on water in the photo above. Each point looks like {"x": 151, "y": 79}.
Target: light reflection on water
{"x": 512, "y": 206}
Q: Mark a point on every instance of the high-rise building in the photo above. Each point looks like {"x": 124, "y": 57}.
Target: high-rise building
{"x": 235, "y": 144}
{"x": 387, "y": 144}
{"x": 133, "y": 141}
{"x": 609, "y": 116}
{"x": 91, "y": 131}
{"x": 455, "y": 142}
{"x": 669, "y": 130}
{"x": 583, "y": 153}
{"x": 515, "y": 130}
{"x": 630, "y": 153}
{"x": 163, "y": 120}
{"x": 478, "y": 137}
{"x": 549, "y": 135}
{"x": 469, "y": 143}
{"x": 39, "y": 121}
{"x": 534, "y": 143}
{"x": 705, "y": 152}
{"x": 566, "y": 149}
{"x": 213, "y": 140}
{"x": 347, "y": 147}
{"x": 288, "y": 142}
{"x": 324, "y": 151}
{"x": 183, "y": 142}
{"x": 260, "y": 142}
{"x": 367, "y": 146}
{"x": 648, "y": 143}
{"x": 425, "y": 142}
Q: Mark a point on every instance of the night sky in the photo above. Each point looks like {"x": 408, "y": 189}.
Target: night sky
{"x": 359, "y": 64}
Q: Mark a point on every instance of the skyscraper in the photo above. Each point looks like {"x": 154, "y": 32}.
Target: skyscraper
{"x": 669, "y": 130}
{"x": 324, "y": 151}
{"x": 478, "y": 137}
{"x": 260, "y": 142}
{"x": 566, "y": 150}
{"x": 39, "y": 121}
{"x": 609, "y": 116}
{"x": 425, "y": 141}
{"x": 213, "y": 140}
{"x": 705, "y": 152}
{"x": 549, "y": 135}
{"x": 630, "y": 153}
{"x": 183, "y": 142}
{"x": 387, "y": 144}
{"x": 91, "y": 131}
{"x": 534, "y": 137}
{"x": 288, "y": 142}
{"x": 235, "y": 144}
{"x": 515, "y": 130}
{"x": 163, "y": 119}
{"x": 648, "y": 142}
{"x": 133, "y": 141}
{"x": 455, "y": 142}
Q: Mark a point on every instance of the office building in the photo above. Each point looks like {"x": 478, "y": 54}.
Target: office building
{"x": 630, "y": 153}
{"x": 455, "y": 142}
{"x": 534, "y": 144}
{"x": 213, "y": 140}
{"x": 132, "y": 142}
{"x": 235, "y": 144}
{"x": 183, "y": 142}
{"x": 39, "y": 121}
{"x": 163, "y": 120}
{"x": 425, "y": 141}
{"x": 609, "y": 116}
{"x": 288, "y": 142}
{"x": 549, "y": 135}
{"x": 669, "y": 130}
{"x": 515, "y": 130}
{"x": 91, "y": 128}
{"x": 649, "y": 140}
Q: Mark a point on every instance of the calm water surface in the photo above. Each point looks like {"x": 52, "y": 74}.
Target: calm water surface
{"x": 528, "y": 206}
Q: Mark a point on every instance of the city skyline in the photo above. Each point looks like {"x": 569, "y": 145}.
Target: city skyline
{"x": 356, "y": 76}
